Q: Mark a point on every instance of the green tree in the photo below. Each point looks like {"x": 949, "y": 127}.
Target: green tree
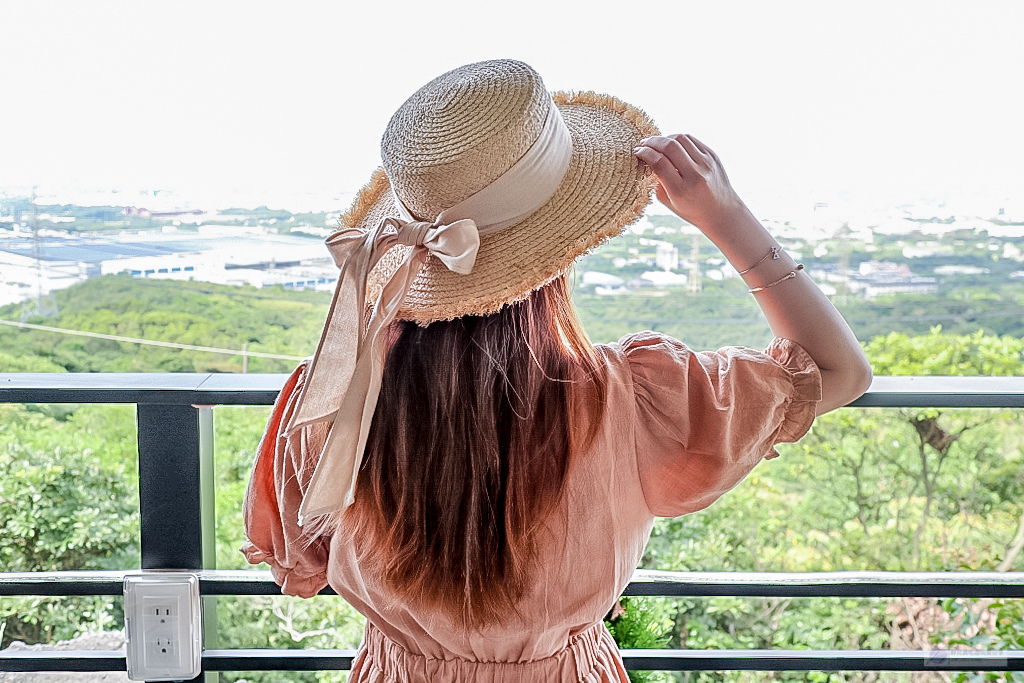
{"x": 68, "y": 500}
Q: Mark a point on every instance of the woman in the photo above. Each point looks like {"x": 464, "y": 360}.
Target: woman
{"x": 457, "y": 460}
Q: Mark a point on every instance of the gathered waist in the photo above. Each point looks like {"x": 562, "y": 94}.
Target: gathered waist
{"x": 591, "y": 656}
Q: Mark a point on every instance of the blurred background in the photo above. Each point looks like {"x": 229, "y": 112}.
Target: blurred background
{"x": 873, "y": 100}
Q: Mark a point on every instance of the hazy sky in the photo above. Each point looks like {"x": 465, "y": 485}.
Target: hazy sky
{"x": 866, "y": 97}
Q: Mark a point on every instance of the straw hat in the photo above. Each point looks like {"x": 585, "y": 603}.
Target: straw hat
{"x": 463, "y": 130}
{"x": 491, "y": 188}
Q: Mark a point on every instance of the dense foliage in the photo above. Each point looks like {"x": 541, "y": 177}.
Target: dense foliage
{"x": 193, "y": 313}
{"x": 866, "y": 489}
{"x": 68, "y": 500}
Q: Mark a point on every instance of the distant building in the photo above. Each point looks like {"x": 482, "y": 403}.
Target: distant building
{"x": 260, "y": 260}
{"x": 660, "y": 278}
{"x": 593, "y": 277}
{"x": 925, "y": 249}
{"x": 666, "y": 256}
{"x": 883, "y": 268}
{"x": 23, "y": 277}
{"x": 875, "y": 278}
{"x": 871, "y": 286}
{"x": 961, "y": 270}
{"x": 610, "y": 291}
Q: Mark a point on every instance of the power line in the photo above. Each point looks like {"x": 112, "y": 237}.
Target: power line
{"x": 149, "y": 342}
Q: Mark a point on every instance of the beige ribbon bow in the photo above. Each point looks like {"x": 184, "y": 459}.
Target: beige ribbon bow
{"x": 343, "y": 381}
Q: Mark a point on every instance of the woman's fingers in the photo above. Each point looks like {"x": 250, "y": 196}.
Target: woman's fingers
{"x": 696, "y": 143}
{"x": 704, "y": 148}
{"x": 687, "y": 143}
{"x": 674, "y": 151}
{"x": 667, "y": 172}
{"x": 672, "y": 162}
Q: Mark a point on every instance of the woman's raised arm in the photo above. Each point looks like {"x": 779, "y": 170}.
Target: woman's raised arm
{"x": 692, "y": 182}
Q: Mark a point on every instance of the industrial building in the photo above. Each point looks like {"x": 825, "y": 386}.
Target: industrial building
{"x": 227, "y": 255}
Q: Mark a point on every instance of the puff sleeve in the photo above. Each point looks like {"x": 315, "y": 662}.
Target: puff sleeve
{"x": 284, "y": 465}
{"x": 704, "y": 419}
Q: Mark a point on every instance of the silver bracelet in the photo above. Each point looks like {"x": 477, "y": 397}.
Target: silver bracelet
{"x": 788, "y": 276}
{"x": 773, "y": 252}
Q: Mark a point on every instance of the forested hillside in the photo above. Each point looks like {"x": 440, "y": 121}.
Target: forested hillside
{"x": 896, "y": 490}
{"x": 193, "y": 313}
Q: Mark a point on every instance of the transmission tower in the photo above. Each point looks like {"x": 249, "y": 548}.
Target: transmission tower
{"x": 693, "y": 283}
{"x": 43, "y": 305}
{"x": 843, "y": 246}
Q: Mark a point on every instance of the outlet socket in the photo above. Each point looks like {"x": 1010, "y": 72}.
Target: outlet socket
{"x": 163, "y": 626}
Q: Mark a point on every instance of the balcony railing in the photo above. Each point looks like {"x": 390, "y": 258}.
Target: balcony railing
{"x": 176, "y": 497}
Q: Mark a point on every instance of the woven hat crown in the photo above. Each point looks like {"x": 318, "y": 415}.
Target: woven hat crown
{"x": 461, "y": 131}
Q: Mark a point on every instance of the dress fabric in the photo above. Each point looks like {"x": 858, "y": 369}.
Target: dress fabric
{"x": 680, "y": 428}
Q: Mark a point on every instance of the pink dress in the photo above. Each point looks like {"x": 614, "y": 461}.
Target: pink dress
{"x": 680, "y": 429}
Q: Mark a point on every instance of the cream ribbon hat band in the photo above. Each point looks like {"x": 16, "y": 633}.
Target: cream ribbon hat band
{"x": 344, "y": 378}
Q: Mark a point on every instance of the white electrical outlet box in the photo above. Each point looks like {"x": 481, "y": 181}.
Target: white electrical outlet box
{"x": 163, "y": 626}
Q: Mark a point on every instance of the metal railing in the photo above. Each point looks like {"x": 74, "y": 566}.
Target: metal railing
{"x": 175, "y": 428}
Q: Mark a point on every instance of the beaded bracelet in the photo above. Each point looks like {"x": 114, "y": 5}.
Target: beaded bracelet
{"x": 789, "y": 276}
{"x": 773, "y": 252}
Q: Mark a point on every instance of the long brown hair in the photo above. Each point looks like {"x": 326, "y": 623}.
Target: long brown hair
{"x": 471, "y": 442}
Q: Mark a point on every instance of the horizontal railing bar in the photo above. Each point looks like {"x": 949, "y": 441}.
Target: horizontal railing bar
{"x": 943, "y": 392}
{"x": 867, "y": 584}
{"x": 63, "y": 583}
{"x": 144, "y": 387}
{"x": 824, "y": 660}
{"x": 663, "y": 660}
{"x": 277, "y": 660}
{"x": 261, "y": 389}
{"x": 679, "y": 660}
{"x": 62, "y": 660}
{"x": 644, "y": 582}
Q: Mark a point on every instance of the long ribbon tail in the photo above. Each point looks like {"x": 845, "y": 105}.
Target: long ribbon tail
{"x": 332, "y": 486}
{"x": 334, "y": 363}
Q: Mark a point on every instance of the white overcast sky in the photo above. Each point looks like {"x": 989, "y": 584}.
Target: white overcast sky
{"x": 894, "y": 98}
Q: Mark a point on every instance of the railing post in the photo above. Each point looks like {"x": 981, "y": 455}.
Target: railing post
{"x": 170, "y": 502}
{"x": 208, "y": 509}
{"x": 170, "y": 488}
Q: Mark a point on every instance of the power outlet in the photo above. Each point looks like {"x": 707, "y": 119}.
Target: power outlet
{"x": 161, "y": 650}
{"x": 163, "y": 626}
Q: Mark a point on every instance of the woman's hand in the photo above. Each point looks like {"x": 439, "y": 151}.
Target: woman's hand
{"x": 693, "y": 184}
{"x": 691, "y": 180}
